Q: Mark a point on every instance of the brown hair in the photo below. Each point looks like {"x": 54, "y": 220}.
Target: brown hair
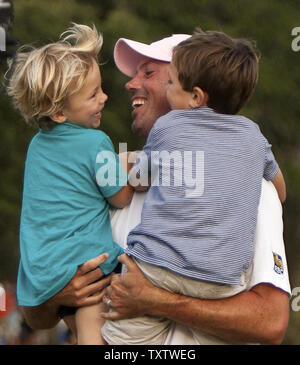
{"x": 225, "y": 68}
{"x": 40, "y": 80}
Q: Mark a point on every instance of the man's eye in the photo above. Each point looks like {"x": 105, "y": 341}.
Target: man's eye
{"x": 170, "y": 82}
{"x": 148, "y": 73}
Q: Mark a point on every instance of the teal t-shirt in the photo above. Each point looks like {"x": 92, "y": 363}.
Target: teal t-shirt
{"x": 69, "y": 172}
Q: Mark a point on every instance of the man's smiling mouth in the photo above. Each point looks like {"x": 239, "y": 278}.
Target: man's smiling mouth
{"x": 136, "y": 103}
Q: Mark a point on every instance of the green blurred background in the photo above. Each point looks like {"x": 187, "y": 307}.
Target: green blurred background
{"x": 275, "y": 105}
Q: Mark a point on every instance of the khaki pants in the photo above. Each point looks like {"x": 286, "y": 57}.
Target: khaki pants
{"x": 150, "y": 330}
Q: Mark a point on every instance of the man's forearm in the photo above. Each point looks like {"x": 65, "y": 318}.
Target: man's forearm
{"x": 258, "y": 316}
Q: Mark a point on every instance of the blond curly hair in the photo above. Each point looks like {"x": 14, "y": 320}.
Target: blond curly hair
{"x": 39, "y": 80}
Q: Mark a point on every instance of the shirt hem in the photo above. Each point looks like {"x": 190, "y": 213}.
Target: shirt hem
{"x": 186, "y": 273}
{"x": 50, "y": 294}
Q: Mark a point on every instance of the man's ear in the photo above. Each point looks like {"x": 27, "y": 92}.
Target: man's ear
{"x": 199, "y": 98}
{"x": 58, "y": 117}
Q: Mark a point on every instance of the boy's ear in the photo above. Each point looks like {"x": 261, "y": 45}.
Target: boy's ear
{"x": 199, "y": 98}
{"x": 58, "y": 117}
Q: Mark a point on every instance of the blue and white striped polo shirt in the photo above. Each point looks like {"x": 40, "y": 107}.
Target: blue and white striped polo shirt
{"x": 199, "y": 215}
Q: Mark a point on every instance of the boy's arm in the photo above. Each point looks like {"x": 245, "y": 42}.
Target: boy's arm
{"x": 136, "y": 183}
{"x": 279, "y": 184}
{"x": 123, "y": 197}
{"x": 139, "y": 175}
{"x": 128, "y": 161}
{"x": 270, "y": 166}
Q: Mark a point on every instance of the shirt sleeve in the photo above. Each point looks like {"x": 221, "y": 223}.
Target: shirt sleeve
{"x": 271, "y": 167}
{"x": 269, "y": 262}
{"x": 109, "y": 172}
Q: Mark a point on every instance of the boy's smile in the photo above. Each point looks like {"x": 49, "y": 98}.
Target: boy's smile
{"x": 85, "y": 106}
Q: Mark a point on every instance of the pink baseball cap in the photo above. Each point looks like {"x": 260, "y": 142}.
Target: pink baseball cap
{"x": 128, "y": 54}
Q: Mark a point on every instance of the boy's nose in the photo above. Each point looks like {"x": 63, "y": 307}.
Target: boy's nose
{"x": 103, "y": 98}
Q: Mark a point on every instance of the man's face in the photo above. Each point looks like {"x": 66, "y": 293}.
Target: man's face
{"x": 148, "y": 90}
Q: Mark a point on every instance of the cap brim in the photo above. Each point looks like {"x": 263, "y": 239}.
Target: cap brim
{"x": 128, "y": 55}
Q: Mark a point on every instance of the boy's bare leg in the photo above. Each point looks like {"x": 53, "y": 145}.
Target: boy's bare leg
{"x": 71, "y": 324}
{"x": 89, "y": 323}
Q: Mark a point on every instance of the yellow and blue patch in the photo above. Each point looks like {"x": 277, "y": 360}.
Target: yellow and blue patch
{"x": 278, "y": 264}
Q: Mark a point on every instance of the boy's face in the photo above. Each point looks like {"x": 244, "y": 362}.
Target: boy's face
{"x": 177, "y": 97}
{"x": 84, "y": 107}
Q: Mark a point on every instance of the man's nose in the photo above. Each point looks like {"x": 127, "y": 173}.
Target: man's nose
{"x": 133, "y": 84}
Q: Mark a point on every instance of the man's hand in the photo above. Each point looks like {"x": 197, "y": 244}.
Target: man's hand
{"x": 85, "y": 288}
{"x": 128, "y": 292}
{"x": 82, "y": 290}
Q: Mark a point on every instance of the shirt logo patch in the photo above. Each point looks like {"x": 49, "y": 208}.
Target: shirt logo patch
{"x": 278, "y": 265}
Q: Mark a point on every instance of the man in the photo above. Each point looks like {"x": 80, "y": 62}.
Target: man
{"x": 258, "y": 315}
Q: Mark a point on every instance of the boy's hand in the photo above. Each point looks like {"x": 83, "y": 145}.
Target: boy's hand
{"x": 141, "y": 188}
